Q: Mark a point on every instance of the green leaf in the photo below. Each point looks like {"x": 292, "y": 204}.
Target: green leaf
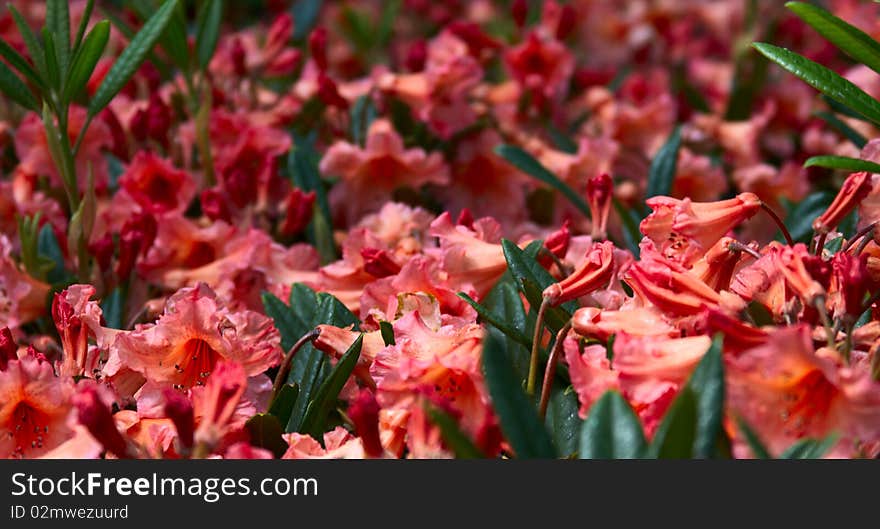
{"x": 526, "y": 163}
{"x": 453, "y": 437}
{"x": 50, "y": 252}
{"x": 707, "y": 383}
{"x": 113, "y": 306}
{"x": 363, "y": 113}
{"x": 83, "y": 23}
{"x": 174, "y": 40}
{"x": 325, "y": 398}
{"x": 305, "y": 14}
{"x": 282, "y": 405}
{"x": 612, "y": 430}
{"x": 132, "y": 57}
{"x": 289, "y": 326}
{"x": 810, "y": 448}
{"x": 823, "y": 79}
{"x": 34, "y": 49}
{"x": 849, "y": 39}
{"x": 843, "y": 128}
{"x": 265, "y": 432}
{"x": 498, "y": 320}
{"x": 86, "y": 58}
{"x": 387, "y": 331}
{"x": 51, "y": 56}
{"x": 21, "y": 64}
{"x": 302, "y": 168}
{"x": 843, "y": 163}
{"x": 533, "y": 279}
{"x": 208, "y": 30}
{"x": 675, "y": 436}
{"x": 516, "y": 412}
{"x": 631, "y": 220}
{"x": 16, "y": 90}
{"x": 663, "y": 166}
{"x": 799, "y": 219}
{"x": 563, "y": 420}
{"x": 752, "y": 439}
{"x": 58, "y": 23}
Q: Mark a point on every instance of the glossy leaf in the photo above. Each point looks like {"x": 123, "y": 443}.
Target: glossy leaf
{"x": 612, "y": 430}
{"x": 34, "y": 49}
{"x": 13, "y": 88}
{"x": 21, "y": 64}
{"x": 208, "y": 30}
{"x": 532, "y": 279}
{"x": 707, "y": 383}
{"x": 325, "y": 398}
{"x": 843, "y": 163}
{"x": 265, "y": 432}
{"x": 113, "y": 306}
{"x": 562, "y": 419}
{"x": 453, "y": 437}
{"x": 843, "y": 128}
{"x": 387, "y": 331}
{"x": 83, "y": 23}
{"x": 50, "y": 251}
{"x": 86, "y": 58}
{"x": 663, "y": 166}
{"x": 516, "y": 413}
{"x": 800, "y": 217}
{"x": 58, "y": 23}
{"x": 823, "y": 79}
{"x": 305, "y": 14}
{"x": 282, "y": 405}
{"x": 675, "y": 436}
{"x": 752, "y": 439}
{"x": 810, "y": 448}
{"x": 527, "y": 163}
{"x": 131, "y": 57}
{"x": 849, "y": 39}
{"x": 498, "y": 321}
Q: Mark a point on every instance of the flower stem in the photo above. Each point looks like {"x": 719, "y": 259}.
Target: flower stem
{"x": 859, "y": 234}
{"x": 550, "y": 370}
{"x": 284, "y": 370}
{"x": 819, "y": 303}
{"x": 536, "y": 344}
{"x": 779, "y": 223}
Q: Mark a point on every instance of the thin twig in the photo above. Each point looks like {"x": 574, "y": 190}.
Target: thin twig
{"x": 779, "y": 223}
{"x": 284, "y": 370}
{"x": 536, "y": 344}
{"x": 859, "y": 234}
{"x": 550, "y": 371}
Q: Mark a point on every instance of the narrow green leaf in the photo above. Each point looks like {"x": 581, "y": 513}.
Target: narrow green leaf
{"x": 289, "y": 326}
{"x": 113, "y": 306}
{"x": 15, "y": 89}
{"x": 282, "y": 406}
{"x": 843, "y": 128}
{"x": 265, "y": 432}
{"x": 562, "y": 419}
{"x": 675, "y": 436}
{"x": 496, "y": 321}
{"x": 325, "y": 398}
{"x": 663, "y": 166}
{"x": 516, "y": 413}
{"x": 810, "y": 448}
{"x": 526, "y": 163}
{"x": 631, "y": 219}
{"x": 51, "y": 56}
{"x": 34, "y": 49}
{"x": 305, "y": 14}
{"x": 302, "y": 168}
{"x": 86, "y": 58}
{"x": 752, "y": 439}
{"x": 707, "y": 383}
{"x": 453, "y": 437}
{"x": 533, "y": 279}
{"x": 132, "y": 57}
{"x": 58, "y": 23}
{"x": 50, "y": 252}
{"x": 83, "y": 24}
{"x": 823, "y": 79}
{"x": 208, "y": 30}
{"x": 843, "y": 163}
{"x": 174, "y": 40}
{"x": 799, "y": 219}
{"x": 612, "y": 430}
{"x": 21, "y": 64}
{"x": 849, "y": 39}
{"x": 387, "y": 331}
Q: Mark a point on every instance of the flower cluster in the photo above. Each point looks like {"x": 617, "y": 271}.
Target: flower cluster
{"x": 322, "y": 226}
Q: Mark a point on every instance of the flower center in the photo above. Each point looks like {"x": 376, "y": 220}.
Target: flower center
{"x": 195, "y": 362}
{"x": 27, "y": 428}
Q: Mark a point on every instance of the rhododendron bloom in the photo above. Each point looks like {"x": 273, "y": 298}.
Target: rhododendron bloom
{"x": 156, "y": 185}
{"x": 195, "y": 332}
{"x": 854, "y": 189}
{"x": 592, "y": 275}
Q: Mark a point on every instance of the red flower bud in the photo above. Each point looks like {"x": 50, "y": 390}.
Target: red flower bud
{"x": 567, "y": 21}
{"x": 298, "y": 214}
{"x": 851, "y": 277}
{"x": 557, "y": 244}
{"x": 179, "y": 409}
{"x": 318, "y": 47}
{"x": 594, "y": 274}
{"x": 96, "y": 417}
{"x": 466, "y": 219}
{"x": 215, "y": 205}
{"x": 328, "y": 93}
{"x": 416, "y": 56}
{"x": 102, "y": 250}
{"x": 378, "y": 263}
{"x": 519, "y": 10}
{"x": 599, "y": 193}
{"x": 855, "y": 188}
{"x": 239, "y": 58}
{"x": 136, "y": 238}
{"x": 364, "y": 413}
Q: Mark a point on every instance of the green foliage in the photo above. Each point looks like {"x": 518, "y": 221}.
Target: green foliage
{"x": 325, "y": 397}
{"x": 453, "y": 437}
{"x": 663, "y": 166}
{"x": 612, "y": 430}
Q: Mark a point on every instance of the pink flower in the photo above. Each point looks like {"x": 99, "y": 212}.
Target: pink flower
{"x": 193, "y": 335}
{"x": 22, "y": 298}
{"x": 471, "y": 257}
{"x": 543, "y": 66}
{"x": 77, "y": 318}
{"x": 34, "y": 405}
{"x": 371, "y": 173}
{"x": 156, "y": 185}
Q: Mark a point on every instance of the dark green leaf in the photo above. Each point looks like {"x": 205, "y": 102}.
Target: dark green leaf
{"x": 113, "y": 306}
{"x": 532, "y": 279}
{"x": 282, "y": 405}
{"x": 707, "y": 383}
{"x": 47, "y": 246}
{"x": 174, "y": 40}
{"x": 387, "y": 331}
{"x": 325, "y": 398}
{"x": 849, "y": 39}
{"x": 85, "y": 60}
{"x": 265, "y": 432}
{"x": 302, "y": 168}
{"x": 131, "y": 57}
{"x": 453, "y": 437}
{"x": 20, "y": 63}
{"x": 516, "y": 413}
{"x": 810, "y": 448}
{"x": 563, "y": 420}
{"x": 305, "y": 14}
{"x": 663, "y": 166}
{"x": 526, "y": 163}
{"x": 675, "y": 436}
{"x": 612, "y": 430}
{"x": 843, "y": 163}
{"x": 363, "y": 113}
{"x": 824, "y": 80}
{"x": 50, "y": 55}
{"x": 34, "y": 49}
{"x": 799, "y": 220}
{"x": 843, "y": 128}
{"x": 752, "y": 439}
{"x": 208, "y": 30}
{"x": 631, "y": 219}
{"x": 289, "y": 326}
{"x": 83, "y": 23}
{"x": 58, "y": 23}
{"x": 498, "y": 321}
{"x": 14, "y": 89}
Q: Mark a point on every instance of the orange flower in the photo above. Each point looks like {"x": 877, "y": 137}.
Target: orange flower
{"x": 471, "y": 256}
{"x": 592, "y": 275}
{"x": 683, "y": 230}
{"x": 591, "y": 322}
{"x": 670, "y": 288}
{"x": 34, "y": 406}
{"x": 853, "y": 191}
